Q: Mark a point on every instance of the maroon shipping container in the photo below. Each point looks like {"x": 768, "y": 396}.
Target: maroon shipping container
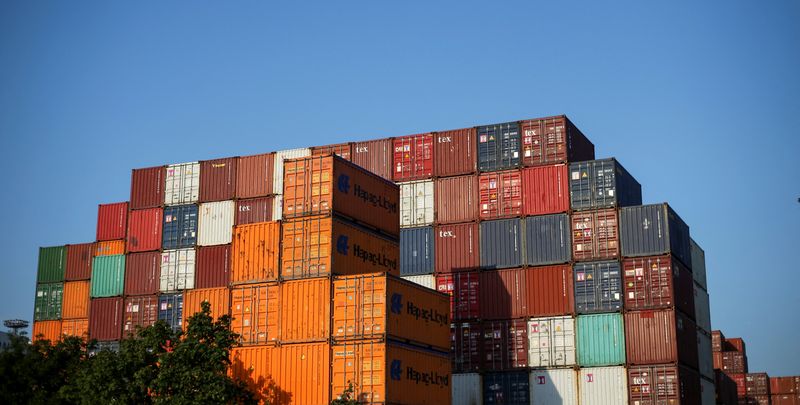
{"x": 456, "y": 199}
{"x": 716, "y": 357}
{"x": 213, "y": 266}
{"x": 375, "y": 156}
{"x": 111, "y": 221}
{"x": 464, "y": 292}
{"x": 757, "y": 384}
{"x": 658, "y": 282}
{"x": 79, "y": 261}
{"x": 758, "y": 400}
{"x": 717, "y": 341}
{"x": 545, "y": 190}
{"x": 218, "y": 179}
{"x": 500, "y": 194}
{"x": 144, "y": 230}
{"x": 595, "y": 235}
{"x": 660, "y": 337}
{"x": 141, "y": 311}
{"x": 344, "y": 150}
{"x": 735, "y": 344}
{"x": 505, "y": 344}
{"x": 466, "y": 346}
{"x": 734, "y": 363}
{"x": 412, "y": 157}
{"x": 455, "y": 152}
{"x": 552, "y": 290}
{"x": 142, "y": 273}
{"x": 254, "y": 176}
{"x": 725, "y": 389}
{"x": 785, "y": 399}
{"x": 741, "y": 384}
{"x": 528, "y": 292}
{"x": 784, "y": 385}
{"x": 147, "y": 187}
{"x": 456, "y": 247}
{"x": 663, "y": 384}
{"x": 254, "y": 210}
{"x": 105, "y": 318}
{"x": 553, "y": 140}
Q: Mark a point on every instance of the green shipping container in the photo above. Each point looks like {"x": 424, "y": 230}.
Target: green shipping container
{"x": 47, "y": 305}
{"x": 601, "y": 340}
{"x": 108, "y": 276}
{"x": 52, "y": 262}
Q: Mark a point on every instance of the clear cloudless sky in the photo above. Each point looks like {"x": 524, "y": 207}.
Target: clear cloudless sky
{"x": 699, "y": 100}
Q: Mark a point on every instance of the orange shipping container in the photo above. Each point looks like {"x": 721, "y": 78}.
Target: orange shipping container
{"x": 255, "y": 311}
{"x": 323, "y": 185}
{"x": 110, "y": 247}
{"x": 305, "y": 310}
{"x": 258, "y": 367}
{"x": 75, "y": 327}
{"x": 322, "y": 245}
{"x": 256, "y": 250}
{"x": 50, "y": 330}
{"x": 76, "y": 300}
{"x": 376, "y": 306}
{"x": 219, "y": 298}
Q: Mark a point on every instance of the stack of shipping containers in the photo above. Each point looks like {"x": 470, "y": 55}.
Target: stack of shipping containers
{"x": 736, "y": 385}
{"x": 784, "y": 390}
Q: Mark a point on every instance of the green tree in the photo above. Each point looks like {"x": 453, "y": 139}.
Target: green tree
{"x": 346, "y": 398}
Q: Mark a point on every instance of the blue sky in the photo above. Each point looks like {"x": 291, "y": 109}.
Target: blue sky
{"x": 699, "y": 101}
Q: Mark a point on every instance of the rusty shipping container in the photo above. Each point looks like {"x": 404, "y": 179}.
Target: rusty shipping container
{"x": 375, "y": 156}
{"x": 75, "y": 327}
{"x": 528, "y": 292}
{"x": 105, "y": 318}
{"x": 501, "y": 244}
{"x": 498, "y": 146}
{"x": 658, "y": 282}
{"x": 464, "y": 291}
{"x": 112, "y": 220}
{"x": 500, "y": 194}
{"x": 598, "y": 287}
{"x": 456, "y": 199}
{"x": 649, "y": 230}
{"x": 142, "y": 273}
{"x": 255, "y": 313}
{"x": 147, "y": 187}
{"x": 47, "y": 330}
{"x": 545, "y": 190}
{"x": 305, "y": 310}
{"x": 219, "y": 298}
{"x": 213, "y": 266}
{"x": 466, "y": 346}
{"x": 344, "y": 150}
{"x": 140, "y": 311}
{"x": 552, "y": 140}
{"x": 663, "y": 336}
{"x": 144, "y": 230}
{"x": 254, "y": 175}
{"x": 547, "y": 239}
{"x": 75, "y": 302}
{"x": 505, "y": 344}
{"x": 412, "y": 157}
{"x": 109, "y": 248}
{"x": 255, "y": 252}
{"x": 455, "y": 153}
{"x": 254, "y": 210}
{"x": 663, "y": 384}
{"x": 456, "y": 247}
{"x": 602, "y": 183}
{"x": 79, "y": 261}
{"x": 218, "y": 179}
{"x": 595, "y": 235}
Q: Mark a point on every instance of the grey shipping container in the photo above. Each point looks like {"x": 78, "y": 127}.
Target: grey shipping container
{"x": 170, "y": 309}
{"x": 499, "y": 147}
{"x": 501, "y": 244}
{"x": 649, "y": 230}
{"x": 602, "y": 184}
{"x": 180, "y": 227}
{"x": 548, "y": 239}
{"x": 416, "y": 251}
{"x": 598, "y": 287}
{"x": 698, "y": 264}
{"x": 506, "y": 388}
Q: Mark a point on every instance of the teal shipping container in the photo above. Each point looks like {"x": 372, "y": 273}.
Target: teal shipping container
{"x": 601, "y": 340}
{"x": 47, "y": 305}
{"x": 52, "y": 263}
{"x": 108, "y": 276}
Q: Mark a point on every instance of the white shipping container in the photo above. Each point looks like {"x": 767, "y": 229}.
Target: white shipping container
{"x": 215, "y": 223}
{"x": 698, "y": 264}
{"x": 707, "y": 394}
{"x": 551, "y": 341}
{"x": 280, "y": 156}
{"x": 182, "y": 183}
{"x": 704, "y": 354}
{"x": 702, "y": 309}
{"x": 603, "y": 385}
{"x": 416, "y": 203}
{"x": 177, "y": 270}
{"x": 467, "y": 389}
{"x": 554, "y": 386}
{"x": 277, "y": 207}
{"x": 427, "y": 280}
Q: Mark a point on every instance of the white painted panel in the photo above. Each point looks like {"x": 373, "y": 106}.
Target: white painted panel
{"x": 551, "y": 341}
{"x": 416, "y": 203}
{"x": 427, "y": 280}
{"x": 177, "y": 270}
{"x": 182, "y": 183}
{"x": 215, "y": 223}
{"x": 603, "y": 385}
{"x": 280, "y": 156}
{"x": 554, "y": 386}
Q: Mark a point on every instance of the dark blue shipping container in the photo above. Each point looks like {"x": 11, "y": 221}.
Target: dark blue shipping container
{"x": 650, "y": 230}
{"x": 506, "y": 388}
{"x": 598, "y": 287}
{"x": 602, "y": 184}
{"x": 499, "y": 147}
{"x": 180, "y": 227}
{"x": 416, "y": 251}
{"x": 501, "y": 244}
{"x": 170, "y": 309}
{"x": 548, "y": 239}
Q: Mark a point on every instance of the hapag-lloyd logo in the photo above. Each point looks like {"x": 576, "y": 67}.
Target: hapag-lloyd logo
{"x": 366, "y": 256}
{"x": 426, "y": 377}
{"x": 425, "y": 314}
{"x": 343, "y": 184}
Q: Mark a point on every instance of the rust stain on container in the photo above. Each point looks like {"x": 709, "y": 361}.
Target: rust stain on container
{"x": 255, "y": 312}
{"x": 79, "y": 261}
{"x": 144, "y": 230}
{"x": 254, "y": 210}
{"x": 256, "y": 251}
{"x": 455, "y": 152}
{"x": 212, "y": 268}
{"x": 75, "y": 300}
{"x": 111, "y": 221}
{"x": 254, "y": 175}
{"x": 305, "y": 314}
{"x": 219, "y": 298}
{"x": 456, "y": 199}
{"x": 218, "y": 179}
{"x": 456, "y": 248}
{"x": 375, "y": 156}
{"x": 147, "y": 187}
{"x": 595, "y": 235}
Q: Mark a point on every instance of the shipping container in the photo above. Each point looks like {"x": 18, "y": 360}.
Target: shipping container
{"x": 784, "y": 385}
{"x": 170, "y": 309}
{"x": 305, "y": 310}
{"x": 255, "y": 313}
{"x": 600, "y": 340}
{"x": 466, "y": 346}
{"x": 416, "y": 203}
{"x": 108, "y": 276}
{"x": 649, "y": 230}
{"x": 741, "y": 384}
{"x": 547, "y": 239}
{"x": 254, "y": 175}
{"x": 456, "y": 248}
{"x": 147, "y": 187}
{"x": 456, "y": 199}
{"x": 500, "y": 194}
{"x": 413, "y": 157}
{"x": 375, "y": 156}
{"x": 182, "y": 183}
{"x": 259, "y": 367}
{"x": 553, "y": 140}
{"x": 705, "y": 360}
{"x": 658, "y": 282}
{"x": 660, "y": 337}
{"x": 344, "y": 150}
{"x": 735, "y": 344}
{"x": 75, "y": 303}
{"x": 595, "y": 235}
{"x": 734, "y": 363}
{"x": 603, "y": 385}
{"x": 109, "y": 247}
{"x": 144, "y": 230}
{"x": 48, "y": 302}
{"x": 506, "y": 388}
{"x": 663, "y": 384}
{"x": 142, "y": 273}
{"x": 141, "y": 311}
{"x": 757, "y": 384}
{"x": 725, "y": 389}
{"x": 455, "y": 153}
{"x": 702, "y": 309}
{"x": 717, "y": 359}
{"x": 501, "y": 244}
{"x": 598, "y": 287}
{"x": 708, "y": 395}
{"x": 717, "y": 341}
{"x": 177, "y": 270}
{"x": 105, "y": 318}
{"x": 551, "y": 342}
{"x": 698, "y": 264}
{"x": 254, "y": 210}
{"x": 277, "y": 168}
{"x": 602, "y": 184}
{"x": 416, "y": 251}
{"x": 111, "y": 221}
{"x": 79, "y": 262}
{"x": 554, "y": 386}
{"x": 464, "y": 291}
{"x": 216, "y": 223}
{"x": 467, "y": 387}
{"x": 218, "y": 179}
{"x": 505, "y": 344}
{"x": 255, "y": 252}
{"x": 213, "y": 266}
{"x": 75, "y": 327}
{"x": 498, "y": 146}
{"x": 320, "y": 246}
{"x": 545, "y": 190}
{"x": 52, "y": 264}
{"x": 219, "y": 298}
{"x": 180, "y": 227}
{"x": 47, "y": 330}
{"x": 427, "y": 280}
{"x": 516, "y": 293}
{"x": 784, "y": 399}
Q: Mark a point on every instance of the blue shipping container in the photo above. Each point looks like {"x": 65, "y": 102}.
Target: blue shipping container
{"x": 501, "y": 244}
{"x": 601, "y": 340}
{"x": 498, "y": 147}
{"x": 506, "y": 388}
{"x": 598, "y": 287}
{"x": 170, "y": 309}
{"x": 602, "y": 184}
{"x": 650, "y": 230}
{"x": 416, "y": 251}
{"x": 180, "y": 227}
{"x": 548, "y": 239}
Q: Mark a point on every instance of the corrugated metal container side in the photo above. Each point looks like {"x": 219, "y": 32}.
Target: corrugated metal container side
{"x": 466, "y": 346}
{"x": 75, "y": 303}
{"x": 47, "y": 330}
{"x": 702, "y": 309}
{"x": 416, "y": 203}
{"x": 705, "y": 360}
{"x": 257, "y": 367}
{"x": 254, "y": 210}
{"x": 105, "y": 318}
{"x": 498, "y": 146}
{"x": 725, "y": 389}
{"x": 658, "y": 282}
{"x": 734, "y": 363}
{"x": 708, "y": 396}
{"x": 505, "y": 344}
{"x": 305, "y": 310}
{"x": 650, "y": 230}
{"x": 660, "y": 337}
{"x": 254, "y": 175}
{"x": 144, "y": 230}
{"x": 506, "y": 388}
{"x": 48, "y": 301}
{"x": 108, "y": 276}
{"x": 717, "y": 341}
{"x": 216, "y": 223}
{"x": 467, "y": 388}
{"x": 551, "y": 342}
{"x": 147, "y": 187}
{"x": 142, "y": 273}
{"x": 500, "y": 194}
{"x": 602, "y": 184}
{"x": 547, "y": 239}
{"x": 219, "y": 298}
{"x": 75, "y": 327}
{"x": 545, "y": 190}
{"x": 698, "y": 264}
{"x": 456, "y": 248}
{"x": 784, "y": 385}
{"x": 501, "y": 244}
{"x": 213, "y": 267}
{"x": 375, "y": 156}
{"x": 344, "y": 150}
{"x": 427, "y": 280}
{"x": 553, "y": 140}
{"x": 140, "y": 312}
{"x": 601, "y": 340}
{"x": 413, "y": 157}
{"x": 52, "y": 264}
{"x": 598, "y": 287}
{"x": 79, "y": 262}
{"x": 170, "y": 309}
{"x": 110, "y": 247}
{"x": 177, "y": 270}
{"x": 111, "y": 220}
{"x": 454, "y": 153}
{"x": 277, "y": 168}
{"x": 182, "y": 183}
{"x": 255, "y": 313}
{"x": 735, "y": 344}
{"x": 456, "y": 199}
{"x": 504, "y": 294}
{"x": 464, "y": 292}
{"x": 663, "y": 384}
{"x": 416, "y": 251}
{"x": 306, "y": 373}
{"x": 741, "y": 384}
{"x": 256, "y": 252}
{"x": 784, "y": 399}
{"x": 553, "y": 288}
{"x": 218, "y": 179}
{"x": 595, "y": 235}
{"x": 554, "y": 386}
{"x": 180, "y": 227}
{"x": 603, "y": 385}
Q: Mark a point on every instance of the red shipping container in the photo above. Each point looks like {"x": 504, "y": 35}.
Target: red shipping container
{"x": 663, "y": 384}
{"x": 111, "y": 221}
{"x": 413, "y": 157}
{"x": 142, "y": 273}
{"x": 784, "y": 385}
{"x": 734, "y": 363}
{"x": 218, "y": 179}
{"x": 79, "y": 261}
{"x": 375, "y": 156}
{"x": 658, "y": 282}
{"x": 533, "y": 291}
{"x": 553, "y": 140}
{"x": 735, "y": 344}
{"x": 500, "y": 194}
{"x": 785, "y": 399}
{"x": 147, "y": 187}
{"x": 545, "y": 190}
{"x": 213, "y": 266}
{"x": 455, "y": 152}
{"x": 716, "y": 357}
{"x": 105, "y": 318}
{"x": 757, "y": 384}
{"x": 505, "y": 344}
{"x": 464, "y": 292}
{"x": 456, "y": 248}
{"x": 717, "y": 341}
{"x": 144, "y": 230}
{"x": 466, "y": 346}
{"x": 254, "y": 210}
{"x": 456, "y": 199}
{"x": 254, "y": 176}
{"x": 741, "y": 384}
{"x": 140, "y": 311}
{"x": 758, "y": 400}
{"x": 660, "y": 337}
{"x": 553, "y": 290}
{"x": 595, "y": 235}
{"x": 344, "y": 150}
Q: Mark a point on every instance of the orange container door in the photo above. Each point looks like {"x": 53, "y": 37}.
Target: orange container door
{"x": 307, "y": 186}
{"x": 75, "y": 327}
{"x": 364, "y": 364}
{"x": 305, "y": 310}
{"x": 359, "y": 307}
{"x": 259, "y": 367}
{"x": 305, "y": 374}
{"x": 306, "y": 247}
{"x": 254, "y": 309}
{"x": 256, "y": 248}
{"x": 219, "y": 298}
